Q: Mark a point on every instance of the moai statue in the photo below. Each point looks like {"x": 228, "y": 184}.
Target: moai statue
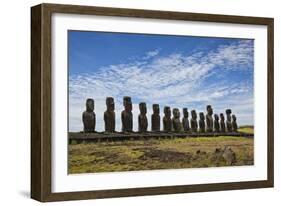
{"x": 109, "y": 115}
{"x": 228, "y": 120}
{"x": 89, "y": 116}
{"x": 167, "y": 122}
{"x": 176, "y": 120}
{"x": 193, "y": 121}
{"x": 234, "y": 123}
{"x": 155, "y": 118}
{"x": 201, "y": 122}
{"x": 185, "y": 121}
{"x": 216, "y": 123}
{"x": 127, "y": 115}
{"x": 209, "y": 119}
{"x": 222, "y": 123}
{"x": 142, "y": 117}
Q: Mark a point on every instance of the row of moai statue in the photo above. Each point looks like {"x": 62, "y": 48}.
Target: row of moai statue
{"x": 205, "y": 124}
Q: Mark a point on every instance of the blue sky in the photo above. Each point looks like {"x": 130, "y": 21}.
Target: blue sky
{"x": 177, "y": 71}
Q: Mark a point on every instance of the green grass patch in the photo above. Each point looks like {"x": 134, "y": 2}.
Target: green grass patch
{"x": 246, "y": 129}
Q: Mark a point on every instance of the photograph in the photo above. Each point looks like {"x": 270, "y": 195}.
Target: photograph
{"x": 133, "y": 102}
{"x": 139, "y": 101}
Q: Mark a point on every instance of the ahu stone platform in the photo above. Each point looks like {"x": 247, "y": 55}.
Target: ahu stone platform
{"x": 122, "y": 136}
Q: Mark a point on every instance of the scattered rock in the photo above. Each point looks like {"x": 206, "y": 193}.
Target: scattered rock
{"x": 199, "y": 152}
{"x": 229, "y": 156}
{"x": 226, "y": 155}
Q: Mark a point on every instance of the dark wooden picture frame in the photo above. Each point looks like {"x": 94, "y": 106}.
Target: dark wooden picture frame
{"x": 41, "y": 101}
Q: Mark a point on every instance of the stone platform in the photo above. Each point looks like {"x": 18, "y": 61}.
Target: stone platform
{"x": 121, "y": 136}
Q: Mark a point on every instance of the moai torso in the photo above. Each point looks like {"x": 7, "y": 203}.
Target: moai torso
{"x": 142, "y": 120}
{"x": 228, "y": 120}
{"x": 89, "y": 116}
{"x": 109, "y": 115}
{"x": 216, "y": 123}
{"x": 185, "y": 121}
{"x": 193, "y": 121}
{"x": 234, "y": 123}
{"x": 155, "y": 118}
{"x": 201, "y": 122}
{"x": 167, "y": 122}
{"x": 127, "y": 115}
{"x": 209, "y": 119}
{"x": 222, "y": 123}
{"x": 176, "y": 120}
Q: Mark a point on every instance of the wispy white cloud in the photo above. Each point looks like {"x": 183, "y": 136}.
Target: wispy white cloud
{"x": 151, "y": 54}
{"x": 177, "y": 80}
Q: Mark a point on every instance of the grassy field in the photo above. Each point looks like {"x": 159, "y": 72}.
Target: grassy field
{"x": 247, "y": 129}
{"x": 174, "y": 153}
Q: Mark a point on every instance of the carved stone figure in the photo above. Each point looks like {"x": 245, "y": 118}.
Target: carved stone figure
{"x": 176, "y": 120}
{"x": 216, "y": 123}
{"x": 142, "y": 117}
{"x": 89, "y": 116}
{"x": 222, "y": 123}
{"x": 167, "y": 122}
{"x": 185, "y": 121}
{"x": 193, "y": 121}
{"x": 201, "y": 122}
{"x": 127, "y": 115}
{"x": 234, "y": 123}
{"x": 109, "y": 115}
{"x": 228, "y": 120}
{"x": 155, "y": 118}
{"x": 209, "y": 119}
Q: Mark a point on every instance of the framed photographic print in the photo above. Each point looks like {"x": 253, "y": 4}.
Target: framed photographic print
{"x": 130, "y": 102}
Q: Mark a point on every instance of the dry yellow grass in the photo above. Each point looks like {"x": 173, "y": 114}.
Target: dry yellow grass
{"x": 249, "y": 130}
{"x": 174, "y": 153}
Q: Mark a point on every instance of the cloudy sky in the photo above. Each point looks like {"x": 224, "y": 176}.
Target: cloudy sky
{"x": 176, "y": 71}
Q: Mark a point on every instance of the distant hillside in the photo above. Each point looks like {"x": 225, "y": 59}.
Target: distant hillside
{"x": 246, "y": 126}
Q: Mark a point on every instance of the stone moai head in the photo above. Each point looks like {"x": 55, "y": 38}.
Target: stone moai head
{"x": 176, "y": 113}
{"x": 110, "y": 103}
{"x": 155, "y": 108}
{"x": 228, "y": 112}
{"x": 126, "y": 100}
{"x": 90, "y": 105}
{"x": 222, "y": 116}
{"x": 201, "y": 116}
{"x": 234, "y": 118}
{"x": 193, "y": 114}
{"x": 129, "y": 107}
{"x": 185, "y": 112}
{"x": 216, "y": 117}
{"x": 209, "y": 110}
{"x": 167, "y": 111}
{"x": 142, "y": 107}
{"x": 127, "y": 103}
